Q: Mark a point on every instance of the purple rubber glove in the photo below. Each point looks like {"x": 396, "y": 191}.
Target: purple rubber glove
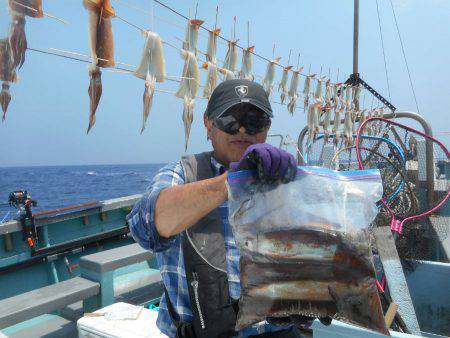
{"x": 271, "y": 163}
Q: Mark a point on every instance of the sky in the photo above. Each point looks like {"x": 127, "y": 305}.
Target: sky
{"x": 48, "y": 114}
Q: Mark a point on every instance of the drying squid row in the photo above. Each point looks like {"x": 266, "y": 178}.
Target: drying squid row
{"x": 343, "y": 101}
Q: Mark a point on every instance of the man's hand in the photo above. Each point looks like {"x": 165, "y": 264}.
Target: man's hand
{"x": 271, "y": 163}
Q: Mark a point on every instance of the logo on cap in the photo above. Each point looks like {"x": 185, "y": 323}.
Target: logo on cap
{"x": 241, "y": 91}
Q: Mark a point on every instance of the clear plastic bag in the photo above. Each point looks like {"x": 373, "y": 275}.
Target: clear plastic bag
{"x": 305, "y": 246}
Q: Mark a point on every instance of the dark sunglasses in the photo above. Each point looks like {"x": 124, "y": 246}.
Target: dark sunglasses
{"x": 251, "y": 118}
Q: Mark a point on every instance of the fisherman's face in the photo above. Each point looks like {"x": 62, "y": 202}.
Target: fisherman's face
{"x": 230, "y": 148}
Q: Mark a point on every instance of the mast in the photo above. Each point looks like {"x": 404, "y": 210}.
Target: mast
{"x": 355, "y": 36}
{"x": 355, "y": 46}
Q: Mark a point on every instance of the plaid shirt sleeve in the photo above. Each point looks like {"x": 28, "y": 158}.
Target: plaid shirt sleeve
{"x": 141, "y": 219}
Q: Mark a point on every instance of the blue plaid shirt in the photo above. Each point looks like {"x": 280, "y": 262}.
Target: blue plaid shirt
{"x": 169, "y": 253}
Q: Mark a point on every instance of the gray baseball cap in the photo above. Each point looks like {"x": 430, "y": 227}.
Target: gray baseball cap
{"x": 233, "y": 92}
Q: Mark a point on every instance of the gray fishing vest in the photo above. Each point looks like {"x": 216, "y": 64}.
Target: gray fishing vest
{"x": 206, "y": 236}
{"x": 214, "y": 312}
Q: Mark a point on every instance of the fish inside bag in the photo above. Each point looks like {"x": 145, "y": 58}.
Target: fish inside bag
{"x": 305, "y": 246}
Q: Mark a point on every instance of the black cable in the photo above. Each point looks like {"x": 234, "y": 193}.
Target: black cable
{"x": 404, "y": 56}
{"x": 384, "y": 55}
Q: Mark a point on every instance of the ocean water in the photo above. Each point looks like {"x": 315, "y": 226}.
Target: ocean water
{"x": 59, "y": 186}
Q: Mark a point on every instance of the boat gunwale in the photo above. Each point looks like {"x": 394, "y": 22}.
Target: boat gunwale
{"x": 86, "y": 209}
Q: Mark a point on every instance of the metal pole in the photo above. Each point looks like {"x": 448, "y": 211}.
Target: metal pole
{"x": 355, "y": 36}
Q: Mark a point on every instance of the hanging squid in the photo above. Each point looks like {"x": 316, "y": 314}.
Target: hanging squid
{"x": 211, "y": 63}
{"x": 101, "y": 43}
{"x": 231, "y": 57}
{"x": 188, "y": 117}
{"x": 190, "y": 77}
{"x": 311, "y": 115}
{"x": 32, "y": 8}
{"x": 191, "y": 37}
{"x": 355, "y": 107}
{"x": 247, "y": 64}
{"x": 18, "y": 39}
{"x": 362, "y": 117}
{"x": 152, "y": 68}
{"x": 147, "y": 99}
{"x": 348, "y": 131}
{"x": 95, "y": 92}
{"x": 328, "y": 107}
{"x": 293, "y": 95}
{"x": 212, "y": 45}
{"x": 7, "y": 74}
{"x": 282, "y": 87}
{"x": 270, "y": 76}
{"x": 356, "y": 90}
{"x": 306, "y": 90}
{"x": 348, "y": 120}
{"x": 338, "y": 107}
{"x": 152, "y": 59}
{"x": 101, "y": 39}
{"x": 211, "y": 78}
{"x": 317, "y": 108}
{"x": 188, "y": 90}
{"x": 354, "y": 118}
{"x": 380, "y": 113}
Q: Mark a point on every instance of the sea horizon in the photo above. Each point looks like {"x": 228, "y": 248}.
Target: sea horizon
{"x": 77, "y": 165}
{"x": 56, "y": 186}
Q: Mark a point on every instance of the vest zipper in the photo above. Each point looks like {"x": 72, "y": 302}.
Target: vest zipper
{"x": 194, "y": 284}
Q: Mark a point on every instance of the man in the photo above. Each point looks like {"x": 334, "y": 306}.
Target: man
{"x": 183, "y": 217}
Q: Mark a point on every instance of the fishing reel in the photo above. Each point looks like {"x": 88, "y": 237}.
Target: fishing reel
{"x": 21, "y": 200}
